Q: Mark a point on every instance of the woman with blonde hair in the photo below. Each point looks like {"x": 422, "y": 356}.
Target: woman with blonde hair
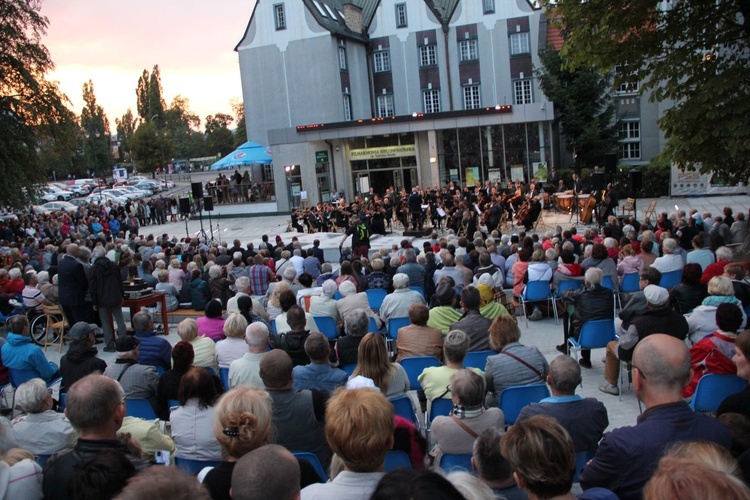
{"x": 242, "y": 423}
{"x": 373, "y": 363}
{"x": 203, "y": 347}
{"x": 233, "y": 347}
{"x": 274, "y": 306}
{"x": 176, "y": 274}
{"x": 702, "y": 321}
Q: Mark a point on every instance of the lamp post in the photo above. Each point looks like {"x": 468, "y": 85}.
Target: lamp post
{"x": 289, "y": 169}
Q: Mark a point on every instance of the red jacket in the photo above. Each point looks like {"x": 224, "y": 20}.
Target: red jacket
{"x": 715, "y": 269}
{"x": 707, "y": 357}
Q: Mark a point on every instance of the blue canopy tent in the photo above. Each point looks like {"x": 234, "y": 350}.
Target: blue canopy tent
{"x": 249, "y": 153}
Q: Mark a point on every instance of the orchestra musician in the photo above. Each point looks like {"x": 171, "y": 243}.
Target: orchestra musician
{"x": 577, "y": 184}
{"x": 295, "y": 221}
{"x": 415, "y": 209}
{"x": 532, "y": 214}
{"x": 561, "y": 188}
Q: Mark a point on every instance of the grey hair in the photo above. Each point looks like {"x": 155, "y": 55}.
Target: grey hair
{"x": 141, "y": 321}
{"x": 98, "y": 252}
{"x": 235, "y": 326}
{"x": 456, "y": 345}
{"x": 92, "y": 401}
{"x": 256, "y": 335}
{"x": 410, "y": 255}
{"x": 243, "y": 284}
{"x": 564, "y": 374}
{"x": 42, "y": 277}
{"x": 723, "y": 253}
{"x": 400, "y": 281}
{"x": 594, "y": 276}
{"x": 669, "y": 245}
{"x": 347, "y": 288}
{"x": 468, "y": 387}
{"x": 329, "y": 288}
{"x": 326, "y": 268}
{"x": 187, "y": 329}
{"x": 31, "y": 396}
{"x": 357, "y": 322}
{"x": 213, "y": 272}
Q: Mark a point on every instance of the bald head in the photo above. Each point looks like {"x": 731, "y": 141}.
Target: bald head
{"x": 266, "y": 472}
{"x": 256, "y": 337}
{"x": 664, "y": 363}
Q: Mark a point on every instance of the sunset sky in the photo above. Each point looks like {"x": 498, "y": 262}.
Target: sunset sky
{"x": 112, "y": 43}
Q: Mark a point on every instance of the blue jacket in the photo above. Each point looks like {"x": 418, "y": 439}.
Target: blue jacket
{"x": 627, "y": 457}
{"x": 19, "y": 353}
{"x": 321, "y": 376}
{"x": 154, "y": 351}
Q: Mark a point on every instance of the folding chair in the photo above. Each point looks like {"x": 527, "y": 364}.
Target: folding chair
{"x": 650, "y": 210}
{"x": 397, "y": 459}
{"x": 537, "y": 291}
{"x": 628, "y": 207}
{"x": 514, "y": 399}
{"x": 477, "y": 359}
{"x": 56, "y": 322}
{"x": 712, "y": 389}
{"x": 450, "y": 462}
{"x": 327, "y": 326}
{"x": 193, "y": 467}
{"x": 375, "y": 297}
{"x": 671, "y": 279}
{"x": 415, "y": 365}
{"x": 140, "y": 408}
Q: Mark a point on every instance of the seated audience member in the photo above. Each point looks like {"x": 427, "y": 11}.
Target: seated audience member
{"x": 702, "y": 321}
{"x": 200, "y": 293}
{"x": 327, "y": 273}
{"x": 435, "y": 380}
{"x": 243, "y": 290}
{"x": 723, "y": 257}
{"x": 489, "y": 308}
{"x": 170, "y": 292}
{"x": 449, "y": 433}
{"x": 233, "y": 347}
{"x": 373, "y": 363}
{"x": 218, "y": 283}
{"x": 670, "y": 261}
{"x": 293, "y": 340}
{"x": 714, "y": 353}
{"x": 584, "y": 419}
{"x": 396, "y": 304}
{"x": 192, "y": 422}
{"x": 472, "y": 322}
{"x": 351, "y": 300}
{"x": 359, "y": 430}
{"x": 40, "y": 430}
{"x": 48, "y": 289}
{"x": 274, "y": 302}
{"x": 690, "y": 292}
{"x": 378, "y": 278}
{"x": 442, "y": 312}
{"x": 636, "y": 303}
{"x": 104, "y": 475}
{"x": 418, "y": 339}
{"x": 347, "y": 347}
{"x": 542, "y": 457}
{"x": 298, "y": 416}
{"x": 81, "y": 359}
{"x": 515, "y": 364}
{"x": 242, "y": 423}
{"x": 203, "y": 347}
{"x": 416, "y": 484}
{"x": 287, "y": 301}
{"x": 165, "y": 482}
{"x": 324, "y": 305}
{"x": 138, "y": 381}
{"x": 491, "y": 466}
{"x": 319, "y": 374}
{"x": 153, "y": 350}
{"x": 704, "y": 453}
{"x": 736, "y": 272}
{"x": 211, "y": 325}
{"x": 245, "y": 370}
{"x": 96, "y": 410}
{"x": 20, "y": 353}
{"x": 627, "y": 456}
{"x": 693, "y": 481}
{"x": 20, "y": 475}
{"x": 148, "y": 437}
{"x": 267, "y": 472}
{"x": 740, "y": 402}
{"x": 657, "y": 318}
{"x": 32, "y": 296}
{"x": 169, "y": 384}
{"x": 468, "y": 484}
{"x": 245, "y": 306}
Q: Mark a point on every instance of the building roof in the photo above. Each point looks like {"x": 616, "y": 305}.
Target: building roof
{"x": 330, "y": 15}
{"x": 443, "y": 9}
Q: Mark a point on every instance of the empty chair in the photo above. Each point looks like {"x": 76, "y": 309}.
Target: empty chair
{"x": 514, "y": 399}
{"x": 327, "y": 326}
{"x": 140, "y": 408}
{"x": 477, "y": 359}
{"x": 712, "y": 389}
{"x": 397, "y": 459}
{"x": 193, "y": 467}
{"x": 375, "y": 297}
{"x": 414, "y": 367}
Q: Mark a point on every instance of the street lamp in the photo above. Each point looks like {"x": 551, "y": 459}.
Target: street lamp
{"x": 289, "y": 169}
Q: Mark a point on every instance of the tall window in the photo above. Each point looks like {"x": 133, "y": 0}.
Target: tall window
{"x": 382, "y": 60}
{"x": 431, "y": 99}
{"x": 385, "y": 106}
{"x": 347, "y": 107}
{"x": 522, "y": 92}
{"x": 427, "y": 55}
{"x": 279, "y": 16}
{"x": 519, "y": 43}
{"x": 489, "y": 6}
{"x": 401, "y": 21}
{"x": 630, "y": 140}
{"x": 467, "y": 50}
{"x": 471, "y": 97}
{"x": 342, "y": 57}
{"x": 628, "y": 87}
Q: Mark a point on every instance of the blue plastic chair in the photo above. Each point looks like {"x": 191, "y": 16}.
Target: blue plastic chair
{"x": 607, "y": 283}
{"x": 630, "y": 283}
{"x": 63, "y": 400}
{"x": 224, "y": 376}
{"x": 441, "y": 407}
{"x": 337, "y": 295}
{"x": 514, "y": 399}
{"x": 375, "y": 297}
{"x": 403, "y": 408}
{"x": 327, "y": 326}
{"x": 538, "y": 291}
{"x": 671, "y": 279}
{"x": 397, "y": 459}
{"x": 41, "y": 459}
{"x": 582, "y": 458}
{"x": 394, "y": 324}
{"x": 594, "y": 335}
{"x": 477, "y": 359}
{"x": 450, "y": 462}
{"x": 19, "y": 376}
{"x": 172, "y": 403}
{"x": 209, "y": 370}
{"x": 565, "y": 285}
{"x": 418, "y": 289}
{"x": 273, "y": 326}
{"x": 349, "y": 369}
{"x": 159, "y": 370}
{"x": 414, "y": 367}
{"x": 712, "y": 389}
{"x": 193, "y": 467}
{"x": 140, "y": 408}
{"x": 373, "y": 326}
{"x": 312, "y": 459}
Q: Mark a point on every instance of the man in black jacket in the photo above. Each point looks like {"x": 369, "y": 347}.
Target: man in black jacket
{"x": 591, "y": 302}
{"x": 105, "y": 284}
{"x": 293, "y": 341}
{"x": 73, "y": 285}
{"x": 81, "y": 359}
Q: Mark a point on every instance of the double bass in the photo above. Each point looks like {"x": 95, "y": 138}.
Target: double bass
{"x": 588, "y": 209}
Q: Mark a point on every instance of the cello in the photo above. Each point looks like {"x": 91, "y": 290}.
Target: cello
{"x": 588, "y": 209}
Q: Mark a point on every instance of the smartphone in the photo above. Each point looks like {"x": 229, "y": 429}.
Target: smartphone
{"x": 162, "y": 457}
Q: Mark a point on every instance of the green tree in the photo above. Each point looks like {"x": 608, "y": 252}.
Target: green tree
{"x": 584, "y": 108}
{"x": 61, "y": 148}
{"x": 693, "y": 55}
{"x": 125, "y": 129}
{"x": 141, "y": 95}
{"x": 150, "y": 147}
{"x": 219, "y": 139}
{"x": 240, "y": 133}
{"x": 95, "y": 126}
{"x": 150, "y": 103}
{"x": 182, "y": 126}
{"x": 31, "y": 107}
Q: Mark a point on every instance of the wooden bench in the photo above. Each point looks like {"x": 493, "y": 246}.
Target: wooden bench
{"x": 180, "y": 314}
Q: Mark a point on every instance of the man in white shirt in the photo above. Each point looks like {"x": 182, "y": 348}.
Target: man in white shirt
{"x": 297, "y": 261}
{"x": 246, "y": 370}
{"x": 397, "y": 304}
{"x": 670, "y": 261}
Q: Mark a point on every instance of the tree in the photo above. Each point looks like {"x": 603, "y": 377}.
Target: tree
{"x": 61, "y": 148}
{"x": 150, "y": 103}
{"x": 182, "y": 127}
{"x": 31, "y": 107}
{"x": 219, "y": 139}
{"x": 95, "y": 126}
{"x": 584, "y": 106}
{"x": 240, "y": 133}
{"x": 150, "y": 147}
{"x": 125, "y": 129}
{"x": 694, "y": 55}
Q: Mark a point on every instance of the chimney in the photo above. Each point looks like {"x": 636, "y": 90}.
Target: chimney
{"x": 353, "y": 17}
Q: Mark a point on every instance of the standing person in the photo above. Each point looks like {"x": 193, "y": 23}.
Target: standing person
{"x": 360, "y": 233}
{"x": 72, "y": 285}
{"x": 105, "y": 284}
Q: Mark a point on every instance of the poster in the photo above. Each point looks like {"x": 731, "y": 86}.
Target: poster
{"x": 454, "y": 174}
{"x": 693, "y": 182}
{"x": 364, "y": 184}
{"x": 494, "y": 175}
{"x": 516, "y": 173}
{"x": 472, "y": 175}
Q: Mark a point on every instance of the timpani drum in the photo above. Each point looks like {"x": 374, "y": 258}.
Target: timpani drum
{"x": 564, "y": 202}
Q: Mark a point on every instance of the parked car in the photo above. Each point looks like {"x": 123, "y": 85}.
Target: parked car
{"x": 136, "y": 179}
{"x": 140, "y": 192}
{"x": 77, "y": 190}
{"x": 55, "y": 194}
{"x": 122, "y": 193}
{"x": 105, "y": 197}
{"x": 55, "y": 206}
{"x": 152, "y": 186}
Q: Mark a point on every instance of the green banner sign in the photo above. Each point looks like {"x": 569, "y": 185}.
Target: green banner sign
{"x": 384, "y": 152}
{"x": 321, "y": 157}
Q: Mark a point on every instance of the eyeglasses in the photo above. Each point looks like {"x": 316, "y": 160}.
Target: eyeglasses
{"x": 643, "y": 375}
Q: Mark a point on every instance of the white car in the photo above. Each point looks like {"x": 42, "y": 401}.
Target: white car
{"x": 52, "y": 194}
{"x": 152, "y": 186}
{"x": 141, "y": 193}
{"x": 55, "y": 206}
{"x": 77, "y": 190}
{"x": 105, "y": 197}
{"x": 136, "y": 179}
{"x": 121, "y": 193}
